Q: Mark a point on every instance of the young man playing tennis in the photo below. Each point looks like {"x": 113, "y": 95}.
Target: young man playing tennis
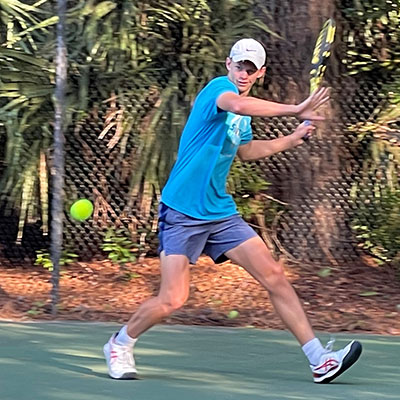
{"x": 197, "y": 215}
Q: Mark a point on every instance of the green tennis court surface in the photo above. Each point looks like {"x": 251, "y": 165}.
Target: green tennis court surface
{"x": 59, "y": 361}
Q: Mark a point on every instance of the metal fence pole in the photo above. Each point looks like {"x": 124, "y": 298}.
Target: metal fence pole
{"x": 58, "y": 159}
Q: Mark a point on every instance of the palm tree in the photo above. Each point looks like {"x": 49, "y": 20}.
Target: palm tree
{"x": 139, "y": 62}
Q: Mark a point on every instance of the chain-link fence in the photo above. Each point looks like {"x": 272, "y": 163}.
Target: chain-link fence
{"x": 314, "y": 183}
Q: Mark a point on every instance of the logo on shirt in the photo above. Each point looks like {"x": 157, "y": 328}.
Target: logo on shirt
{"x": 234, "y": 122}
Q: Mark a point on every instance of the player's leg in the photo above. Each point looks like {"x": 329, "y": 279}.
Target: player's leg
{"x": 173, "y": 292}
{"x": 255, "y": 257}
{"x": 326, "y": 365}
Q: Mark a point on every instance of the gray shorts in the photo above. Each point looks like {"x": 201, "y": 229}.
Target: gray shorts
{"x": 181, "y": 234}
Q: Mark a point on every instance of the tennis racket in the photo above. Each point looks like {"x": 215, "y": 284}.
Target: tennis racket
{"x": 322, "y": 51}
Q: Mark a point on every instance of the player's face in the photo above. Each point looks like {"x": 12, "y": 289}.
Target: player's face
{"x": 243, "y": 74}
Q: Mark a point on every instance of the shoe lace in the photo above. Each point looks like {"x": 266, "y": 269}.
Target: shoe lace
{"x": 124, "y": 356}
{"x": 329, "y": 345}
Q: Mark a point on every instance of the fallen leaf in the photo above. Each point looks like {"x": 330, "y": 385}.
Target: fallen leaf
{"x": 367, "y": 294}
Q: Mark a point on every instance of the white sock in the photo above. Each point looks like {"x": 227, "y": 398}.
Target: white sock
{"x": 313, "y": 351}
{"x": 123, "y": 339}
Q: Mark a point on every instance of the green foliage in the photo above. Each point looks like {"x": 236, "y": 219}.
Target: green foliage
{"x": 26, "y": 111}
{"x": 118, "y": 246}
{"x": 244, "y": 183}
{"x": 36, "y": 309}
{"x": 146, "y": 60}
{"x": 43, "y": 259}
{"x": 324, "y": 272}
{"x": 377, "y": 224}
{"x": 373, "y": 42}
{"x": 373, "y": 35}
{"x": 376, "y": 221}
{"x": 248, "y": 186}
{"x": 383, "y": 122}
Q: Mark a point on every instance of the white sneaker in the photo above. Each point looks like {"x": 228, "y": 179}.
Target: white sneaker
{"x": 120, "y": 361}
{"x": 334, "y": 363}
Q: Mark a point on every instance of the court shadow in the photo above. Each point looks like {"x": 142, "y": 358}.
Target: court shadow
{"x": 73, "y": 363}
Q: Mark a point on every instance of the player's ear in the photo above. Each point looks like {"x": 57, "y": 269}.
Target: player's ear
{"x": 228, "y": 63}
{"x": 261, "y": 72}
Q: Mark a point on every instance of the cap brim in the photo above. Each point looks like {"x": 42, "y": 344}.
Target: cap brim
{"x": 255, "y": 62}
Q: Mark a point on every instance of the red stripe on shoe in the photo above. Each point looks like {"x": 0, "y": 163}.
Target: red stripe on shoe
{"x": 328, "y": 365}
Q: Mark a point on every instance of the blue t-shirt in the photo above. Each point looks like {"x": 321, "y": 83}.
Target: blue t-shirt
{"x": 208, "y": 145}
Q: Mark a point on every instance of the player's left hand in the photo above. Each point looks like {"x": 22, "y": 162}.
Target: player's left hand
{"x": 308, "y": 108}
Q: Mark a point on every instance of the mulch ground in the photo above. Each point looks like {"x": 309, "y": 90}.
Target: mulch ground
{"x": 352, "y": 298}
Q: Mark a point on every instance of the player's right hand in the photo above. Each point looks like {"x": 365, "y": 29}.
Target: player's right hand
{"x": 303, "y": 132}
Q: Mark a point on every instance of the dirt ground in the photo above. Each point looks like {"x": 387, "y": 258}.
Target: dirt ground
{"x": 363, "y": 298}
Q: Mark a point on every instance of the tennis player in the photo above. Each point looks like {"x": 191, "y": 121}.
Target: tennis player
{"x": 197, "y": 216}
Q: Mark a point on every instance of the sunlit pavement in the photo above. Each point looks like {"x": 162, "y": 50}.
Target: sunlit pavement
{"x": 40, "y": 361}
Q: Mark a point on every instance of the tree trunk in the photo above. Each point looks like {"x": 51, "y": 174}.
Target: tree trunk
{"x": 314, "y": 223}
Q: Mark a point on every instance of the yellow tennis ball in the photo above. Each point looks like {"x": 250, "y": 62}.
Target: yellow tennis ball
{"x": 82, "y": 209}
{"x": 233, "y": 314}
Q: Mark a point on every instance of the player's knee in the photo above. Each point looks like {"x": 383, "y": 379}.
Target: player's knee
{"x": 275, "y": 277}
{"x": 172, "y": 303}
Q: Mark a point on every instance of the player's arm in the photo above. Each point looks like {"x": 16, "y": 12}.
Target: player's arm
{"x": 255, "y": 107}
{"x": 258, "y": 149}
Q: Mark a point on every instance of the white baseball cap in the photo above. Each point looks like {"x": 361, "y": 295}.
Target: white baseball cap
{"x": 250, "y": 50}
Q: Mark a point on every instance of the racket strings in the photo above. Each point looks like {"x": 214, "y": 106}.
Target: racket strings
{"x": 321, "y": 54}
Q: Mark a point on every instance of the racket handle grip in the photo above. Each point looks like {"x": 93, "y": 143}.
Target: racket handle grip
{"x": 307, "y": 122}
